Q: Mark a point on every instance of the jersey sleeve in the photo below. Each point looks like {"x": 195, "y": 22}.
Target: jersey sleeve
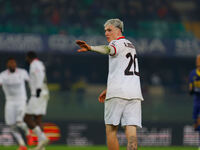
{"x": 117, "y": 45}
{"x": 113, "y": 50}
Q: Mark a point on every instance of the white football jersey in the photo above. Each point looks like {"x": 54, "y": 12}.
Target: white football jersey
{"x": 37, "y": 77}
{"x": 123, "y": 75}
{"x": 13, "y": 84}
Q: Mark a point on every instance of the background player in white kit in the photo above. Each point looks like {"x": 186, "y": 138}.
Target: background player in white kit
{"x": 123, "y": 94}
{"x": 37, "y": 104}
{"x": 13, "y": 83}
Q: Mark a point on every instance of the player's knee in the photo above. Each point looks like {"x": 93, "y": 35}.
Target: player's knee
{"x": 38, "y": 122}
{"x": 19, "y": 124}
{"x": 30, "y": 125}
{"x": 38, "y": 118}
{"x": 111, "y": 130}
{"x": 29, "y": 122}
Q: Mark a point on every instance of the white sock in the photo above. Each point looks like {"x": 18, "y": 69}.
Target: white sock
{"x": 18, "y": 136}
{"x": 41, "y": 136}
{"x": 24, "y": 127}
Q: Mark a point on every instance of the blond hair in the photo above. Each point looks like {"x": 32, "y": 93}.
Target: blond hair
{"x": 116, "y": 23}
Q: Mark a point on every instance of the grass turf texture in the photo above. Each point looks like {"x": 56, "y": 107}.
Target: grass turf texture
{"x": 63, "y": 147}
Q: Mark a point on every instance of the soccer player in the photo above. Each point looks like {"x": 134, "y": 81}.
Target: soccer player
{"x": 37, "y": 105}
{"x": 123, "y": 94}
{"x": 13, "y": 83}
{"x": 194, "y": 88}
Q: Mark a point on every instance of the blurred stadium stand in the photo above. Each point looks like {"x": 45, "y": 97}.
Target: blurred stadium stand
{"x": 142, "y": 18}
{"x": 166, "y": 33}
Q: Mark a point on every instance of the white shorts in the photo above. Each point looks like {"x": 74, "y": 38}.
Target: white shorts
{"x": 14, "y": 111}
{"x": 126, "y": 111}
{"x": 37, "y": 106}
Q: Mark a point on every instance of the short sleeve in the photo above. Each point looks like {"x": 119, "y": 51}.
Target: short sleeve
{"x": 112, "y": 44}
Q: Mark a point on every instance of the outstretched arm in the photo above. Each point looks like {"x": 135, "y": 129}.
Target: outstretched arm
{"x": 103, "y": 49}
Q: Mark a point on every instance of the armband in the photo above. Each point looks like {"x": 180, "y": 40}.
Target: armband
{"x": 103, "y": 49}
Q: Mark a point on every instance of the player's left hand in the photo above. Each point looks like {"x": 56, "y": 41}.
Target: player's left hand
{"x": 38, "y": 91}
{"x": 83, "y": 45}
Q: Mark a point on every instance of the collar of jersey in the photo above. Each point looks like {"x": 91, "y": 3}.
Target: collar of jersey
{"x": 121, "y": 37}
{"x": 198, "y": 72}
{"x": 35, "y": 59}
{"x": 12, "y": 72}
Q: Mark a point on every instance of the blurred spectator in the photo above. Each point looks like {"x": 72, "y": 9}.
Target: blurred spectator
{"x": 163, "y": 12}
{"x": 55, "y": 18}
{"x": 39, "y": 16}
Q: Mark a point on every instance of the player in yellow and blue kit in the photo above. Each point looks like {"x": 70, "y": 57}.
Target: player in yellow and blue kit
{"x": 194, "y": 88}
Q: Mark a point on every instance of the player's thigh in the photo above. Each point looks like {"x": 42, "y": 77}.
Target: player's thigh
{"x": 113, "y": 111}
{"x": 132, "y": 114}
{"x": 20, "y": 111}
{"x": 10, "y": 113}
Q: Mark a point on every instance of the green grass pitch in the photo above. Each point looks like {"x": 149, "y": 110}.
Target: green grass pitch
{"x": 65, "y": 147}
